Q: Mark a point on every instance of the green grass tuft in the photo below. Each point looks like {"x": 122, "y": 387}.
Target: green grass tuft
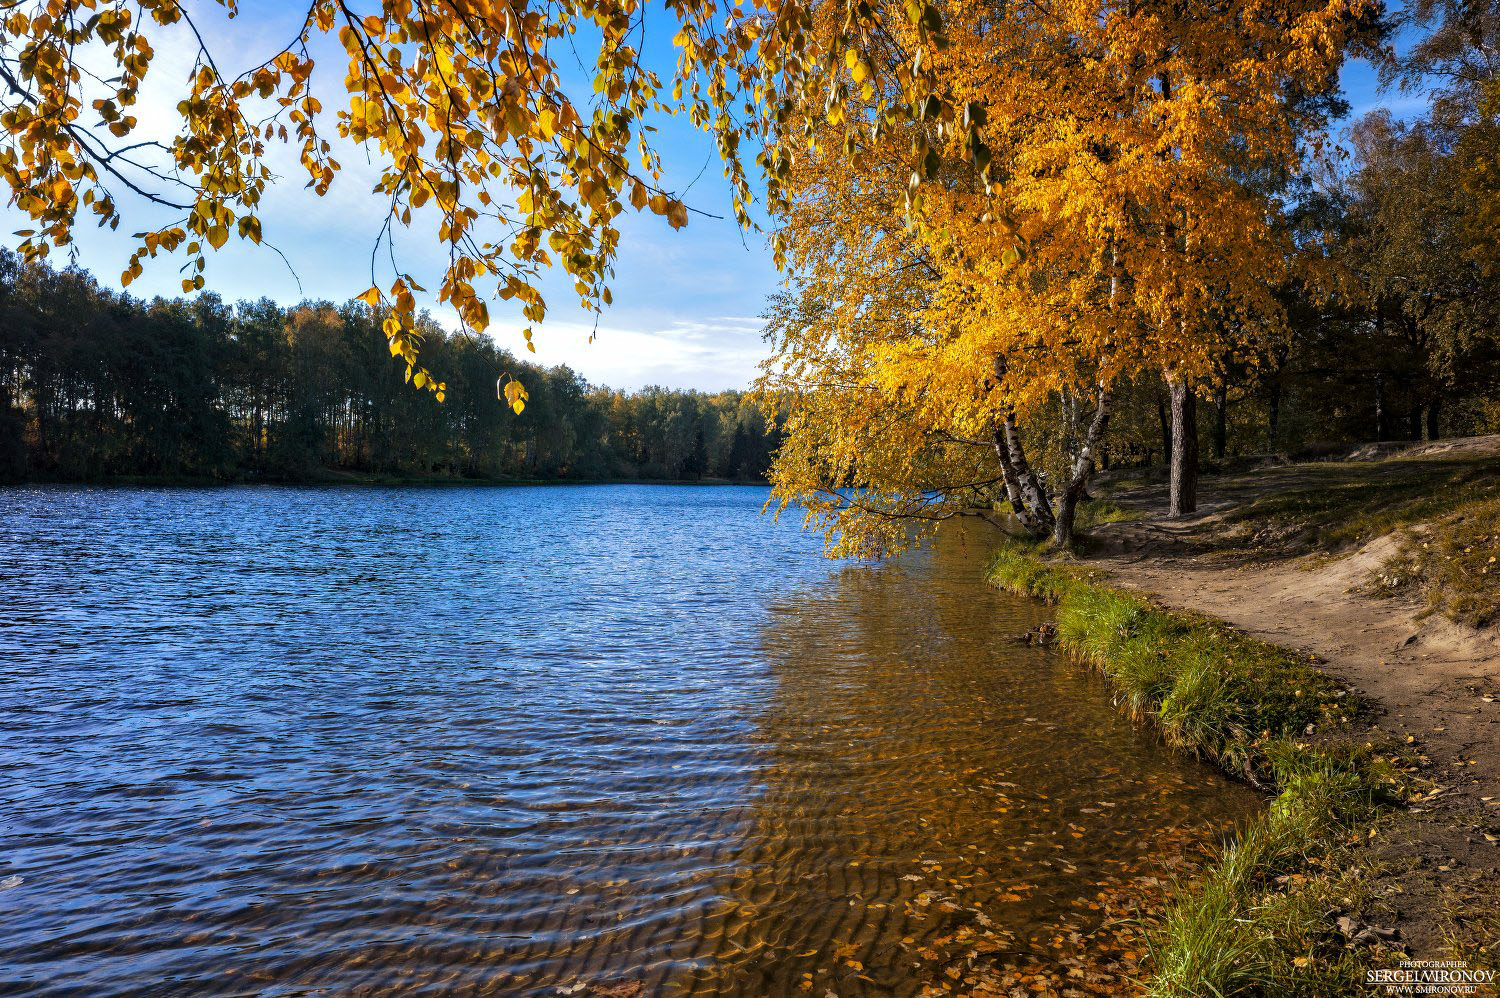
{"x": 1345, "y": 505}
{"x": 1097, "y": 511}
{"x": 1454, "y": 562}
{"x": 1447, "y": 511}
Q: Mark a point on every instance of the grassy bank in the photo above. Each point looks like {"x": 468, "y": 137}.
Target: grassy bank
{"x": 1453, "y": 561}
{"x": 1261, "y": 920}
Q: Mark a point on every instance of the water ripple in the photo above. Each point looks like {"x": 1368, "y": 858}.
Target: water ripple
{"x": 515, "y": 741}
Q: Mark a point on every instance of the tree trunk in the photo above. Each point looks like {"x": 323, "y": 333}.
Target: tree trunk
{"x": 1078, "y": 481}
{"x": 1414, "y": 423}
{"x": 1433, "y": 409}
{"x": 1381, "y": 430}
{"x": 1184, "y": 464}
{"x": 1008, "y": 474}
{"x": 1067, "y": 512}
{"x": 1273, "y": 416}
{"x": 1069, "y": 420}
{"x": 1221, "y": 421}
{"x": 1166, "y": 427}
{"x": 1027, "y": 497}
{"x": 1032, "y": 493}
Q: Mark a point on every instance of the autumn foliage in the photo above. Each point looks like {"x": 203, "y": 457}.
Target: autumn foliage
{"x": 461, "y": 102}
{"x": 1097, "y": 199}
{"x": 984, "y": 209}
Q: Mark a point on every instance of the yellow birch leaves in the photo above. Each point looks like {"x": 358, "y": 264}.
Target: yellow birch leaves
{"x": 512, "y": 393}
{"x": 459, "y": 103}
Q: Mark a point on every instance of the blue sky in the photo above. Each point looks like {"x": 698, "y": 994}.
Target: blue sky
{"x": 686, "y": 302}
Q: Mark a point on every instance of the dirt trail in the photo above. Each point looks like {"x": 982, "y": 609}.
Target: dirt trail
{"x": 1435, "y": 681}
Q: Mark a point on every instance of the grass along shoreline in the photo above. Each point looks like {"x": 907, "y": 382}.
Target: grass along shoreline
{"x": 1278, "y": 913}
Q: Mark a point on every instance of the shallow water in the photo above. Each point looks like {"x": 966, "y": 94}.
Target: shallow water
{"x": 597, "y": 740}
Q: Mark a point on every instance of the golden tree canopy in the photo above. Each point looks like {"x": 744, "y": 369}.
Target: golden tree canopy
{"x": 1095, "y": 198}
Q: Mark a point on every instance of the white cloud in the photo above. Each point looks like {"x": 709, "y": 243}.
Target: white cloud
{"x": 710, "y": 354}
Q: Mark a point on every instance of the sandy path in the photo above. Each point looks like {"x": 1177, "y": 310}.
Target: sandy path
{"x": 1434, "y": 680}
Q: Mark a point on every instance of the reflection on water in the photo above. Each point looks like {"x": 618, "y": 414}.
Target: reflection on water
{"x": 619, "y": 740}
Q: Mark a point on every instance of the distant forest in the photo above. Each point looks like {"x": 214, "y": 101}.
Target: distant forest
{"x": 96, "y": 385}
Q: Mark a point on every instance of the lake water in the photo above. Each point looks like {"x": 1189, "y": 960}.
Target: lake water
{"x": 615, "y": 740}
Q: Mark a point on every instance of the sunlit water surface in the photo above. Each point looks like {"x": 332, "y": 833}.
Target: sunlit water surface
{"x": 588, "y": 740}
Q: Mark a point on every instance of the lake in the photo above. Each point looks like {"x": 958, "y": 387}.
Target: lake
{"x": 594, "y": 740}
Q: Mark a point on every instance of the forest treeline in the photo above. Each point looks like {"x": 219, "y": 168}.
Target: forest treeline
{"x": 1392, "y": 330}
{"x": 97, "y": 385}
